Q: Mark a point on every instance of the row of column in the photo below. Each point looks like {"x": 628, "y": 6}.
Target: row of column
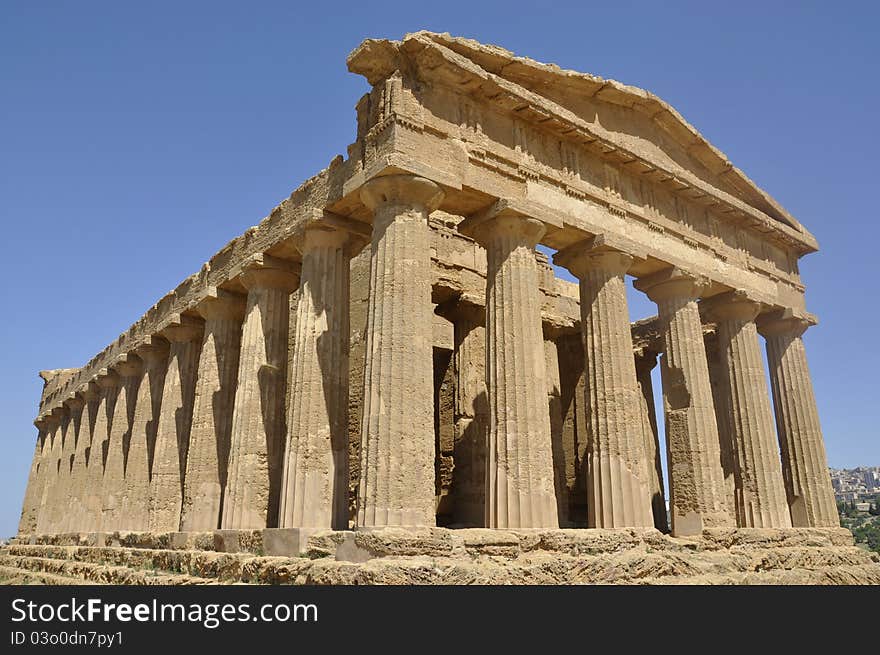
{"x": 189, "y": 432}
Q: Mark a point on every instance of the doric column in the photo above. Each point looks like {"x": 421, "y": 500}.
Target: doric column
{"x": 521, "y": 490}
{"x": 129, "y": 371}
{"x": 314, "y": 491}
{"x": 759, "y": 496}
{"x": 208, "y": 459}
{"x": 618, "y": 485}
{"x": 471, "y": 409}
{"x": 57, "y": 495}
{"x": 254, "y": 482}
{"x": 30, "y": 509}
{"x": 721, "y": 400}
{"x": 397, "y": 430}
{"x": 79, "y": 474}
{"x": 695, "y": 478}
{"x": 50, "y": 461}
{"x": 804, "y": 463}
{"x": 108, "y": 384}
{"x": 135, "y": 514}
{"x": 175, "y": 421}
{"x": 645, "y": 361}
{"x": 75, "y": 405}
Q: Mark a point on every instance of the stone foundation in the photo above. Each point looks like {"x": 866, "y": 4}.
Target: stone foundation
{"x": 444, "y": 556}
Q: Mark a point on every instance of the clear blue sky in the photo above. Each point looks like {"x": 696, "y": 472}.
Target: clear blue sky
{"x": 136, "y": 139}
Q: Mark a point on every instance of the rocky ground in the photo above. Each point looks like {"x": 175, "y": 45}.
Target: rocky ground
{"x": 443, "y": 556}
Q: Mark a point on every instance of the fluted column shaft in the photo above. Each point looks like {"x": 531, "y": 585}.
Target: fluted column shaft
{"x": 759, "y": 494}
{"x": 645, "y": 363}
{"x": 314, "y": 490}
{"x": 258, "y": 426}
{"x": 175, "y": 421}
{"x": 32, "y": 495}
{"x": 65, "y": 498}
{"x": 397, "y": 429}
{"x": 48, "y": 472}
{"x": 135, "y": 513}
{"x": 520, "y": 482}
{"x": 108, "y": 383}
{"x": 208, "y": 460}
{"x": 696, "y": 481}
{"x": 55, "y": 491}
{"x": 79, "y": 474}
{"x": 618, "y": 485}
{"x": 804, "y": 462}
{"x": 113, "y": 486}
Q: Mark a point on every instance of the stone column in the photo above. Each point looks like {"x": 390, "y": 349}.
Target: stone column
{"x": 129, "y": 371}
{"x": 31, "y": 506}
{"x": 804, "y": 463}
{"x": 49, "y": 464}
{"x": 645, "y": 362}
{"x": 175, "y": 421}
{"x": 108, "y": 384}
{"x": 695, "y": 478}
{"x": 56, "y": 496}
{"x": 65, "y": 498}
{"x": 618, "y": 488}
{"x": 208, "y": 460}
{"x": 759, "y": 496}
{"x": 721, "y": 399}
{"x": 135, "y": 514}
{"x": 79, "y": 474}
{"x": 521, "y": 490}
{"x": 314, "y": 491}
{"x": 397, "y": 430}
{"x": 254, "y": 483}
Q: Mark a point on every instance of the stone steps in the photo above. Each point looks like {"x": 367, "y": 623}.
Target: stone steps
{"x": 13, "y": 575}
{"x": 477, "y": 556}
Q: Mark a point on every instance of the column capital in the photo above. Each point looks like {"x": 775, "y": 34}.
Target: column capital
{"x": 262, "y": 271}
{"x": 672, "y": 282}
{"x": 503, "y": 219}
{"x": 90, "y": 391}
{"x": 331, "y": 230}
{"x": 598, "y": 252}
{"x": 41, "y": 423}
{"x": 107, "y": 379}
{"x": 406, "y": 190}
{"x": 734, "y": 305}
{"x": 646, "y": 359}
{"x": 57, "y": 415}
{"x": 154, "y": 351}
{"x": 784, "y": 322}
{"x": 219, "y": 304}
{"x": 180, "y": 329}
{"x": 128, "y": 366}
{"x": 75, "y": 402}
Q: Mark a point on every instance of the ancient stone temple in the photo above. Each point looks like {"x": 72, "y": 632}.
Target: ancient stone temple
{"x": 389, "y": 355}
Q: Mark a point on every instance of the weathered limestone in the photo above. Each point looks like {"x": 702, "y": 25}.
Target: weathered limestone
{"x": 721, "y": 398}
{"x": 520, "y": 491}
{"x": 258, "y": 432}
{"x": 695, "y": 477}
{"x": 804, "y": 464}
{"x": 175, "y": 422}
{"x": 108, "y": 382}
{"x": 397, "y": 433}
{"x": 79, "y": 474}
{"x": 48, "y": 471}
{"x": 645, "y": 362}
{"x": 135, "y": 512}
{"x": 31, "y": 505}
{"x": 113, "y": 486}
{"x": 314, "y": 490}
{"x": 619, "y": 491}
{"x": 75, "y": 405}
{"x": 759, "y": 496}
{"x": 55, "y": 494}
{"x": 207, "y": 462}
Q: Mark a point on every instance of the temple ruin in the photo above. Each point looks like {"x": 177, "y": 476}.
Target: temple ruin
{"x": 388, "y": 349}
